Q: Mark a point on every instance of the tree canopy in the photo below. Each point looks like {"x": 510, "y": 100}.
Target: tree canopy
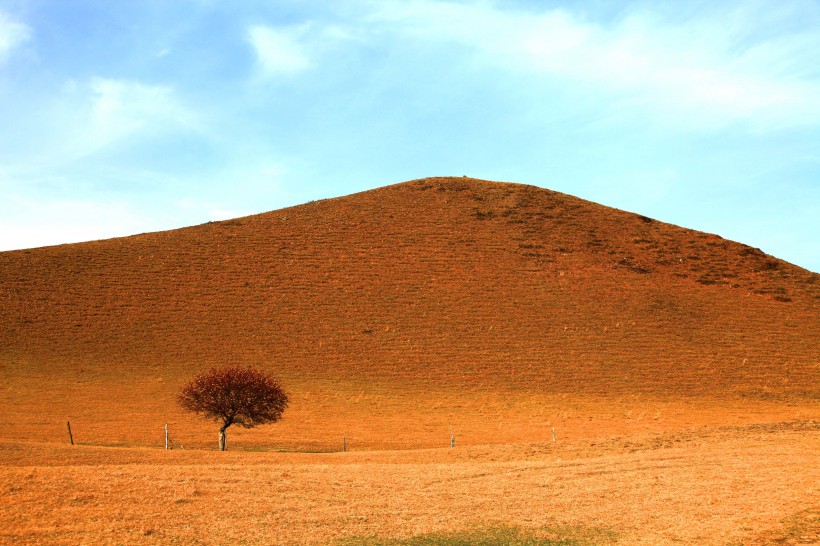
{"x": 234, "y": 396}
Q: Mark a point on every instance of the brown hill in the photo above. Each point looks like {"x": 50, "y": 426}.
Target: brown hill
{"x": 410, "y": 308}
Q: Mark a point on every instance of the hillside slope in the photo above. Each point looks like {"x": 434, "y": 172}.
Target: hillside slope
{"x": 434, "y": 285}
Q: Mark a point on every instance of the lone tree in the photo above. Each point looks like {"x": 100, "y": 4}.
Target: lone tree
{"x": 234, "y": 396}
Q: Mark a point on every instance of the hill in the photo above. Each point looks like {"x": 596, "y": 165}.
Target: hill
{"x": 498, "y": 309}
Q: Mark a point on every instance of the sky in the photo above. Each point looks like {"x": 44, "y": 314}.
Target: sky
{"x": 119, "y": 118}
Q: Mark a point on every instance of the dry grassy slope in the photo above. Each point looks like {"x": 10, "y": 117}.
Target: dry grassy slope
{"x": 433, "y": 283}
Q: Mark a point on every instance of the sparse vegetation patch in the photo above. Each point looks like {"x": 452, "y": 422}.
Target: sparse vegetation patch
{"x": 503, "y": 535}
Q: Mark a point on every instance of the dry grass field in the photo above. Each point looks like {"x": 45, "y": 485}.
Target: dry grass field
{"x": 729, "y": 485}
{"x": 680, "y": 371}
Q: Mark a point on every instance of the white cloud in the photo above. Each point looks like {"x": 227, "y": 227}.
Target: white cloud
{"x": 12, "y": 35}
{"x": 279, "y": 50}
{"x": 700, "y": 71}
{"x": 107, "y": 111}
{"x": 290, "y": 50}
{"x": 125, "y": 106}
{"x": 74, "y": 141}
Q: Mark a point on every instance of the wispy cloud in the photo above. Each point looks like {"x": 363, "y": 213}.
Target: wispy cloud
{"x": 698, "y": 72}
{"x": 84, "y": 135}
{"x": 279, "y": 50}
{"x": 290, "y": 50}
{"x": 109, "y": 111}
{"x": 12, "y": 35}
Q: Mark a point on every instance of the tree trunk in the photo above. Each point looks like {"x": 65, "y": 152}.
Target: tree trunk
{"x": 223, "y": 439}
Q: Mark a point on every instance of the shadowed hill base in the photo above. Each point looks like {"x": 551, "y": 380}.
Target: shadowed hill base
{"x": 396, "y": 315}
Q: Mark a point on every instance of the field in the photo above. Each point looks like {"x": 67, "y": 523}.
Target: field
{"x": 728, "y": 485}
{"x": 679, "y": 372}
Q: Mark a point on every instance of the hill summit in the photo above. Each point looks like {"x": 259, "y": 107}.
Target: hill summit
{"x": 438, "y": 283}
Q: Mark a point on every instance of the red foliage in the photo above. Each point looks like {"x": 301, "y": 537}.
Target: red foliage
{"x": 233, "y": 395}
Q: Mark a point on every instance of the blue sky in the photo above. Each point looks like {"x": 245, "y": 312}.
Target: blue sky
{"x": 124, "y": 117}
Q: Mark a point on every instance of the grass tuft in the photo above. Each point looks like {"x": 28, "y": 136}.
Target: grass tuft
{"x": 512, "y": 536}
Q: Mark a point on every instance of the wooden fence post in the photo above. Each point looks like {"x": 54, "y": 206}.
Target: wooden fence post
{"x": 70, "y": 436}
{"x": 166, "y": 436}
{"x": 553, "y": 435}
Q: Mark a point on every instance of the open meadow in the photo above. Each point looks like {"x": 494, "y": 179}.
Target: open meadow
{"x": 756, "y": 484}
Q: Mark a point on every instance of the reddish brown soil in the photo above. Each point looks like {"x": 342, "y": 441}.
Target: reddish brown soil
{"x": 396, "y": 315}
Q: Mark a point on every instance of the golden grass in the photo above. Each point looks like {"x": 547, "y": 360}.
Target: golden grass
{"x": 710, "y": 486}
{"x": 395, "y": 318}
{"x": 128, "y": 410}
